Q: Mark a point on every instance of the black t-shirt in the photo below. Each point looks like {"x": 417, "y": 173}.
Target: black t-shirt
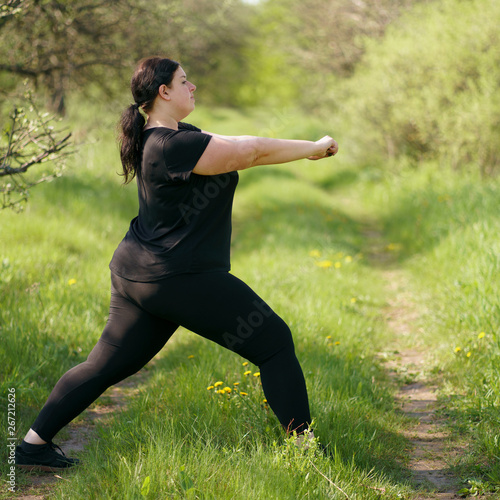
{"x": 184, "y": 221}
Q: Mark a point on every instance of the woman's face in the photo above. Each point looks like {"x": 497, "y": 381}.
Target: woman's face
{"x": 181, "y": 93}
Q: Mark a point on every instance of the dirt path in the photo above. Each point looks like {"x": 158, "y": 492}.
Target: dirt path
{"x": 432, "y": 449}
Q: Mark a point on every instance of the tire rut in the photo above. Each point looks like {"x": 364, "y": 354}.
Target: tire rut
{"x": 432, "y": 452}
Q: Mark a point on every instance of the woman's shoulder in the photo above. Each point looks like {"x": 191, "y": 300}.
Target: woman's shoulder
{"x": 162, "y": 135}
{"x": 158, "y": 137}
{"x": 172, "y": 143}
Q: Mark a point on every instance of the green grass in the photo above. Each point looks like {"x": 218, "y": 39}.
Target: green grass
{"x": 193, "y": 443}
{"x": 444, "y": 228}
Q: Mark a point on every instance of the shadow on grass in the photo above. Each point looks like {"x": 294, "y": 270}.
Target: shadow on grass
{"x": 338, "y": 179}
{"x": 422, "y": 218}
{"x": 417, "y": 220}
{"x": 299, "y": 226}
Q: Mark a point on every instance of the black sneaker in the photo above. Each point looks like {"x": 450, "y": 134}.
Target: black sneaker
{"x": 44, "y": 458}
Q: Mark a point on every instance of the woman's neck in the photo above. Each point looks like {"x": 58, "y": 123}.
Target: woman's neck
{"x": 167, "y": 122}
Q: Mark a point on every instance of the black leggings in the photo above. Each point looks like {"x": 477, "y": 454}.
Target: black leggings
{"x": 143, "y": 316}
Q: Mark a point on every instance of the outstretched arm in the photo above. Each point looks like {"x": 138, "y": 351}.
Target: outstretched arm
{"x": 230, "y": 137}
{"x": 226, "y": 154}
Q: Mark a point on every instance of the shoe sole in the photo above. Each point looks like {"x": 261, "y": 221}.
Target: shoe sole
{"x": 42, "y": 468}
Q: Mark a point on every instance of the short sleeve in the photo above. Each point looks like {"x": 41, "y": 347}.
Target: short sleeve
{"x": 188, "y": 126}
{"x": 181, "y": 152}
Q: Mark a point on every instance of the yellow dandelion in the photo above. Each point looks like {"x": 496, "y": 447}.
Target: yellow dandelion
{"x": 245, "y": 363}
{"x": 348, "y": 258}
{"x": 393, "y": 247}
{"x": 71, "y": 282}
{"x": 481, "y": 335}
{"x": 247, "y": 372}
{"x": 210, "y": 387}
{"x": 324, "y": 264}
{"x": 244, "y": 393}
{"x": 236, "y": 383}
{"x": 191, "y": 356}
{"x": 227, "y": 389}
{"x": 469, "y": 354}
{"x": 220, "y": 391}
{"x": 329, "y": 337}
{"x": 458, "y": 349}
{"x": 217, "y": 384}
{"x": 353, "y": 300}
{"x": 314, "y": 253}
{"x": 264, "y": 400}
{"x": 337, "y": 343}
{"x": 256, "y": 374}
{"x": 338, "y": 265}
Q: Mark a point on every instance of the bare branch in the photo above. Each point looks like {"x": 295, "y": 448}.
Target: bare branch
{"x": 29, "y": 140}
{"x": 58, "y": 146}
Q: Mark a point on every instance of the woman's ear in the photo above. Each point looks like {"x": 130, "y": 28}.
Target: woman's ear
{"x": 163, "y": 92}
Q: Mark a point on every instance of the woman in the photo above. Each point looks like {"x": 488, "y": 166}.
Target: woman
{"x": 172, "y": 267}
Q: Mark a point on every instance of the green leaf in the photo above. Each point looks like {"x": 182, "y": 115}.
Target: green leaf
{"x": 145, "y": 487}
{"x": 186, "y": 482}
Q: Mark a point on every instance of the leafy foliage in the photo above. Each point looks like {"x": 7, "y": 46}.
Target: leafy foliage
{"x": 302, "y": 48}
{"x": 431, "y": 88}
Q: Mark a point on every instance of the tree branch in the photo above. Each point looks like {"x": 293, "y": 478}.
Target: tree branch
{"x": 30, "y": 139}
{"x": 55, "y": 148}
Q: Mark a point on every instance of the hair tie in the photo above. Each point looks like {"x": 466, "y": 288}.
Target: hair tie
{"x": 135, "y": 105}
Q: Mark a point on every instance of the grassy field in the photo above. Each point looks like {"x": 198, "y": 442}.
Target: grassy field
{"x": 304, "y": 240}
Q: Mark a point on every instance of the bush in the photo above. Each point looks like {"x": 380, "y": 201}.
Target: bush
{"x": 431, "y": 88}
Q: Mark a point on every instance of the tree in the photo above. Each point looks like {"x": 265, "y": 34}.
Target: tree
{"x": 29, "y": 139}
{"x": 311, "y": 44}
{"x": 59, "y": 43}
{"x": 62, "y": 45}
{"x": 210, "y": 39}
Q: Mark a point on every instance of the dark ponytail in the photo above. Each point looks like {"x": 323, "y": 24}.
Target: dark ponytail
{"x": 148, "y": 76}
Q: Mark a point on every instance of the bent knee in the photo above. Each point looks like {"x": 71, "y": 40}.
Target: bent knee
{"x": 273, "y": 337}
